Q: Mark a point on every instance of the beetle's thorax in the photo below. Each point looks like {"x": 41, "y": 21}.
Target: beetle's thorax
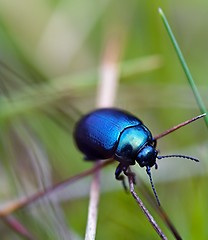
{"x": 131, "y": 141}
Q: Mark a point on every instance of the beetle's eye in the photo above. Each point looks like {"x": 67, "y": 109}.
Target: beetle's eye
{"x": 147, "y": 156}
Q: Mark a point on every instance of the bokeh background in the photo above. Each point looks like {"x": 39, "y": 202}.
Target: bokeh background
{"x": 51, "y": 56}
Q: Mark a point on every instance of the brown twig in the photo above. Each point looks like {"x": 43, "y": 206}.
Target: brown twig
{"x": 150, "y": 198}
{"x": 144, "y": 209}
{"x": 179, "y": 126}
{"x": 21, "y": 230}
{"x": 28, "y": 200}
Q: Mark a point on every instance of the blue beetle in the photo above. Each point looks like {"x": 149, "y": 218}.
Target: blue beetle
{"x": 113, "y": 133}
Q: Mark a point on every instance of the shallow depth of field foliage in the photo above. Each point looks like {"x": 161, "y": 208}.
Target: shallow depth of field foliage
{"x": 51, "y": 52}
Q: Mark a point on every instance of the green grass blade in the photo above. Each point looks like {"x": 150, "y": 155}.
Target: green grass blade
{"x": 184, "y": 66}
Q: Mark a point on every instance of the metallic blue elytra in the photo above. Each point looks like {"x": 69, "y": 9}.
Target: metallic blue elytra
{"x": 113, "y": 133}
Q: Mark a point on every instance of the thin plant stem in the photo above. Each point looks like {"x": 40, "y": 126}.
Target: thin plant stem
{"x": 93, "y": 207}
{"x": 179, "y": 126}
{"x": 106, "y": 95}
{"x": 18, "y": 227}
{"x": 45, "y": 192}
{"x": 184, "y": 65}
{"x": 144, "y": 209}
{"x": 150, "y": 199}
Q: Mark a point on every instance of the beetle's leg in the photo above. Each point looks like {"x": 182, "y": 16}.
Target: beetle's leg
{"x": 120, "y": 177}
{"x": 154, "y": 143}
{"x": 129, "y": 173}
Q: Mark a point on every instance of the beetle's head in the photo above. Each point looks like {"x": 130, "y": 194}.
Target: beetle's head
{"x": 146, "y": 157}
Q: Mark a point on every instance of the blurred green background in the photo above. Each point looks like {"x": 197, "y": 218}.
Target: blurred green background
{"x": 51, "y": 54}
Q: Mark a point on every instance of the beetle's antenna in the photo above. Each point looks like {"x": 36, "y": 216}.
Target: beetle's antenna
{"x": 179, "y": 156}
{"x": 152, "y": 185}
